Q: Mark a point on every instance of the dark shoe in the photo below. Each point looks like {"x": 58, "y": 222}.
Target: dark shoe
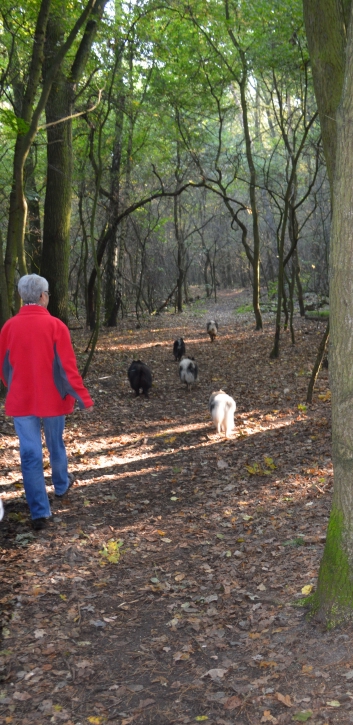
{"x": 71, "y": 483}
{"x": 39, "y": 524}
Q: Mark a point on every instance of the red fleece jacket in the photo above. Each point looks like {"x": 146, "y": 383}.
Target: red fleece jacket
{"x": 38, "y": 365}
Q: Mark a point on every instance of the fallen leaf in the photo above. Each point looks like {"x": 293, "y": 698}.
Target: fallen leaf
{"x": 22, "y": 696}
{"x": 284, "y": 699}
{"x": 39, "y": 633}
{"x": 180, "y": 656}
{"x": 307, "y": 589}
{"x": 145, "y": 703}
{"x": 232, "y": 703}
{"x": 268, "y": 663}
{"x": 302, "y": 716}
{"x": 222, "y": 464}
{"x": 217, "y": 672}
{"x": 267, "y": 717}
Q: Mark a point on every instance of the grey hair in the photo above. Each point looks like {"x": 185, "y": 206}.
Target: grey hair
{"x": 31, "y": 286}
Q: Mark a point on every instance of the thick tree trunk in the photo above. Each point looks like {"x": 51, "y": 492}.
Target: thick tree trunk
{"x": 326, "y": 24}
{"x": 30, "y": 114}
{"x": 57, "y": 206}
{"x": 333, "y": 601}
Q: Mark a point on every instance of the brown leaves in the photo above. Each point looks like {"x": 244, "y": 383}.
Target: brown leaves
{"x": 197, "y": 609}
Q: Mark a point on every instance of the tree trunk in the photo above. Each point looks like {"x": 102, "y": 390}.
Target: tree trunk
{"x": 317, "y": 365}
{"x": 298, "y": 283}
{"x": 180, "y": 255}
{"x": 326, "y": 24}
{"x": 112, "y": 291}
{"x": 253, "y": 202}
{"x": 333, "y": 600}
{"x": 57, "y": 207}
{"x": 30, "y": 115}
{"x": 33, "y": 245}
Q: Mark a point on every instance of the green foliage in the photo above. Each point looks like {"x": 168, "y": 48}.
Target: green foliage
{"x": 12, "y": 124}
{"x": 111, "y": 551}
{"x": 318, "y": 313}
{"x": 243, "y": 308}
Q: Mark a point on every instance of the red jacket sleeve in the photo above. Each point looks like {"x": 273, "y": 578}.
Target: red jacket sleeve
{"x": 67, "y": 379}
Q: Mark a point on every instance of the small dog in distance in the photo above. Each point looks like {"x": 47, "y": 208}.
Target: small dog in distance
{"x": 179, "y": 348}
{"x": 212, "y": 329}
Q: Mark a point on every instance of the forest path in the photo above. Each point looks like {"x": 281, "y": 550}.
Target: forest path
{"x": 163, "y": 589}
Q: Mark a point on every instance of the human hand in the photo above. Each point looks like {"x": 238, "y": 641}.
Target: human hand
{"x": 87, "y": 411}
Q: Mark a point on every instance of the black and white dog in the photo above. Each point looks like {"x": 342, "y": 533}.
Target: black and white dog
{"x": 188, "y": 371}
{"x": 140, "y": 377}
{"x": 179, "y": 348}
{"x": 222, "y": 409}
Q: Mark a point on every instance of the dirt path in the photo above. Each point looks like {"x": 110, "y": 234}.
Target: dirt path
{"x": 164, "y": 590}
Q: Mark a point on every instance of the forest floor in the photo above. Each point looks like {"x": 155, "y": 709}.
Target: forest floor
{"x": 166, "y": 588}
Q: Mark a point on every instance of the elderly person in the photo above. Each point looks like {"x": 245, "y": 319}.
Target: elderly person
{"x": 38, "y": 365}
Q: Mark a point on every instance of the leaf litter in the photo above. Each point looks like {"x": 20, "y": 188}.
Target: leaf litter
{"x": 206, "y": 543}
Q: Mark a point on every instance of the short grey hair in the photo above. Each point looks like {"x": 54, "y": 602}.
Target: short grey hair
{"x": 31, "y": 286}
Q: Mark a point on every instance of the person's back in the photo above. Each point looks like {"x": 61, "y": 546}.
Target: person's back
{"x": 38, "y": 365}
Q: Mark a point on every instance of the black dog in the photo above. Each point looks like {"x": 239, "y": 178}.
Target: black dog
{"x": 179, "y": 348}
{"x": 140, "y": 377}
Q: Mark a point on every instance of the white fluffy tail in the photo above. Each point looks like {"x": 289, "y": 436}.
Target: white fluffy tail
{"x": 222, "y": 408}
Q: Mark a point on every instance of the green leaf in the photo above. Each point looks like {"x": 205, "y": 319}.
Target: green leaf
{"x": 12, "y": 122}
{"x": 302, "y": 716}
{"x": 111, "y": 551}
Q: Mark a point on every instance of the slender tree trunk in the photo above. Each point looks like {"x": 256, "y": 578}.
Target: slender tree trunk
{"x": 299, "y": 283}
{"x": 33, "y": 245}
{"x": 253, "y": 202}
{"x": 180, "y": 255}
{"x": 112, "y": 293}
{"x": 319, "y": 358}
{"x": 5, "y": 312}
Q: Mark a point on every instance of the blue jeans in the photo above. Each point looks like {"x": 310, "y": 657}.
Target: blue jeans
{"x": 28, "y": 429}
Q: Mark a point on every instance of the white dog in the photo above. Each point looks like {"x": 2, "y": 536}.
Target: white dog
{"x": 222, "y": 408}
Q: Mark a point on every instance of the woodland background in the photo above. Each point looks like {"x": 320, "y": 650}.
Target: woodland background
{"x": 148, "y": 146}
